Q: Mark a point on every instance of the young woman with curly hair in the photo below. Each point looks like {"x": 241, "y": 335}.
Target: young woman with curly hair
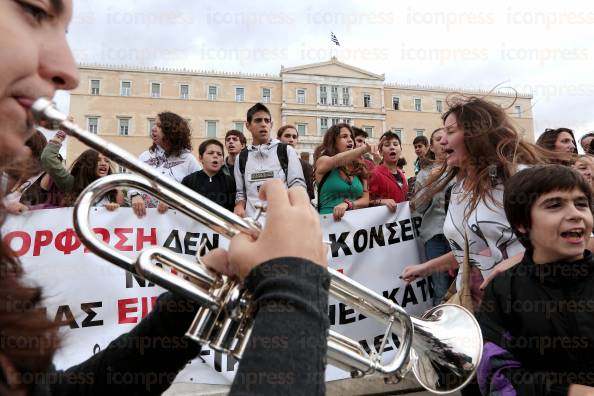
{"x": 339, "y": 172}
{"x": 170, "y": 153}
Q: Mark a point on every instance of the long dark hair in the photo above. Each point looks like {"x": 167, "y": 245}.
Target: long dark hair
{"x": 20, "y": 171}
{"x": 84, "y": 171}
{"x": 328, "y": 147}
{"x": 176, "y": 133}
{"x": 548, "y": 138}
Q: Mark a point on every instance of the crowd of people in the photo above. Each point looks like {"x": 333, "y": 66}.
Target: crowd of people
{"x": 504, "y": 221}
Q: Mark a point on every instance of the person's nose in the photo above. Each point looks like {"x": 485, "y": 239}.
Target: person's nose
{"x": 57, "y": 65}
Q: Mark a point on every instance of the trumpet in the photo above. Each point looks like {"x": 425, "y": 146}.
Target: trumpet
{"x": 443, "y": 347}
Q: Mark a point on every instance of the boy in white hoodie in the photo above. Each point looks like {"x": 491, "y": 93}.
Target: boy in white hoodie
{"x": 262, "y": 160}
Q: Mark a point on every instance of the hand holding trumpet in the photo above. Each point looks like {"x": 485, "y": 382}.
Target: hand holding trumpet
{"x": 292, "y": 230}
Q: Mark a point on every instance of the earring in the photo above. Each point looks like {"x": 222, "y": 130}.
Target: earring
{"x": 493, "y": 175}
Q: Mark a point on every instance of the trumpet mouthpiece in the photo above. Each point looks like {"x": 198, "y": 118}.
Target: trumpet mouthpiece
{"x": 44, "y": 110}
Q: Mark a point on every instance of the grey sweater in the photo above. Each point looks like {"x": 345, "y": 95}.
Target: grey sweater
{"x": 433, "y": 212}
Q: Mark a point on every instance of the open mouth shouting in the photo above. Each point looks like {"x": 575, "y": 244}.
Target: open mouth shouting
{"x": 103, "y": 170}
{"x": 574, "y": 235}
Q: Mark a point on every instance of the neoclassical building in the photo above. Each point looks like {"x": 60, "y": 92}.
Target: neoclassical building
{"x": 121, "y": 103}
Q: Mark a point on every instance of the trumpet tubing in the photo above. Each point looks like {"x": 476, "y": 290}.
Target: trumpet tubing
{"x": 444, "y": 346}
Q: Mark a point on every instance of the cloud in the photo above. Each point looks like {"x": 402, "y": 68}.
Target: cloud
{"x": 546, "y": 49}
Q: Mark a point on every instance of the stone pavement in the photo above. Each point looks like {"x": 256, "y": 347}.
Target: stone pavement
{"x": 372, "y": 385}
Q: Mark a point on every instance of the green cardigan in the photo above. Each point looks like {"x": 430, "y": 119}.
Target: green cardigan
{"x": 51, "y": 163}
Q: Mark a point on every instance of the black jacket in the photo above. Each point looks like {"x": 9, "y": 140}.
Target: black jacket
{"x": 220, "y": 188}
{"x": 286, "y": 353}
{"x": 538, "y": 328}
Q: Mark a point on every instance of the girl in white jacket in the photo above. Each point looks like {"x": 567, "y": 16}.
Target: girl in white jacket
{"x": 171, "y": 154}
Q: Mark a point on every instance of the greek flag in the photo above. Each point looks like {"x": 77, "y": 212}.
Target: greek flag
{"x": 334, "y": 39}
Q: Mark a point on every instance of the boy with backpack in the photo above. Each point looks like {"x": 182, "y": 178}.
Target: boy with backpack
{"x": 262, "y": 160}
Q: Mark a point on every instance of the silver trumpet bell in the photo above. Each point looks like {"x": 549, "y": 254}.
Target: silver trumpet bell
{"x": 443, "y": 347}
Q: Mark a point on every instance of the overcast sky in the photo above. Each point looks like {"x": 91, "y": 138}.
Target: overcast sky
{"x": 546, "y": 50}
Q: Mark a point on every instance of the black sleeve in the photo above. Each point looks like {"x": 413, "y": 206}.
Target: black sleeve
{"x": 500, "y": 371}
{"x": 309, "y": 180}
{"x": 143, "y": 361}
{"x": 231, "y": 191}
{"x": 286, "y": 354}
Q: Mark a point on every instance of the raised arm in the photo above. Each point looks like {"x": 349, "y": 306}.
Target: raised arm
{"x": 52, "y": 164}
{"x": 325, "y": 163}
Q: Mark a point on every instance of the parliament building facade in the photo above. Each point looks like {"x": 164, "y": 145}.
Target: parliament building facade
{"x": 121, "y": 103}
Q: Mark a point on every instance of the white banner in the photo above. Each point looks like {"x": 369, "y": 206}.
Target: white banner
{"x": 96, "y": 301}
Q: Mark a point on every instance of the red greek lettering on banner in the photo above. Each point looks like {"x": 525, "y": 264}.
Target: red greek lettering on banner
{"x": 42, "y": 238}
{"x": 129, "y": 306}
{"x": 124, "y": 309}
{"x": 141, "y": 238}
{"x": 67, "y": 241}
{"x": 123, "y": 238}
{"x": 103, "y": 233}
{"x": 25, "y": 245}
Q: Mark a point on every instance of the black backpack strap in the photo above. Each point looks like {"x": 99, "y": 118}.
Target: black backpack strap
{"x": 243, "y": 154}
{"x": 448, "y": 195}
{"x": 320, "y": 187}
{"x": 283, "y": 157}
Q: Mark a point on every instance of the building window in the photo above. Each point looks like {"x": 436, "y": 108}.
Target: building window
{"x": 238, "y": 125}
{"x": 211, "y": 129}
{"x": 121, "y": 169}
{"x": 302, "y": 129}
{"x": 366, "y": 100}
{"x": 123, "y": 126}
{"x": 125, "y": 88}
{"x": 399, "y": 133}
{"x": 323, "y": 94}
{"x": 335, "y": 121}
{"x": 418, "y": 104}
{"x": 301, "y": 96}
{"x": 439, "y": 106}
{"x": 346, "y": 96}
{"x": 156, "y": 90}
{"x": 323, "y": 125}
{"x": 518, "y": 110}
{"x": 93, "y": 124}
{"x": 265, "y": 95}
{"x": 419, "y": 132}
{"x": 239, "y": 94}
{"x": 395, "y": 102}
{"x": 369, "y": 130}
{"x": 334, "y": 92}
{"x": 347, "y": 121}
{"x": 151, "y": 124}
{"x": 212, "y": 92}
{"x": 184, "y": 91}
{"x": 95, "y": 87}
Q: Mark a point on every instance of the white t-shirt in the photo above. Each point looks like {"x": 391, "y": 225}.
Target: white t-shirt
{"x": 175, "y": 167}
{"x": 490, "y": 237}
